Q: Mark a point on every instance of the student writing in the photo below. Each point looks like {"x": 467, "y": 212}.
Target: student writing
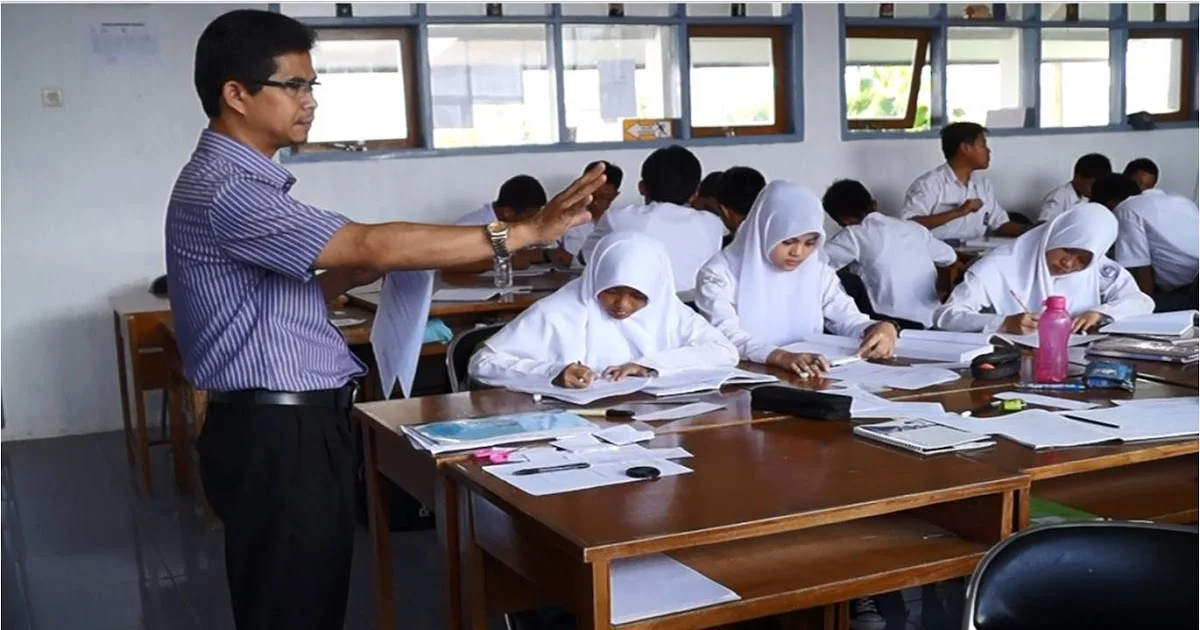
{"x": 896, "y": 259}
{"x": 1063, "y": 257}
{"x": 770, "y": 288}
{"x": 620, "y": 318}
{"x": 669, "y": 179}
{"x": 1088, "y": 169}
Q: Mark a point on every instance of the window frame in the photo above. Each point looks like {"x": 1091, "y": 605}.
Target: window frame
{"x": 779, "y": 37}
{"x": 791, "y": 50}
{"x": 1186, "y": 68}
{"x": 922, "y": 36}
{"x": 408, "y": 64}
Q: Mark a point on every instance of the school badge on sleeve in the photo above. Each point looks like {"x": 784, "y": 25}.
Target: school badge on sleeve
{"x": 1109, "y": 271}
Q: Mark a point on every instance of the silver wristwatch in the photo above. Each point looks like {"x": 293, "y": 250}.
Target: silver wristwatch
{"x": 497, "y": 233}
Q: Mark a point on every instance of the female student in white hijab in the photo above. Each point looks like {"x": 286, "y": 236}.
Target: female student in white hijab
{"x": 621, "y": 318}
{"x": 771, "y": 287}
{"x": 1004, "y": 291}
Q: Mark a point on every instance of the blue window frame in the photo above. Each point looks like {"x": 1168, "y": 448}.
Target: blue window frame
{"x": 1031, "y": 68}
{"x": 469, "y": 79}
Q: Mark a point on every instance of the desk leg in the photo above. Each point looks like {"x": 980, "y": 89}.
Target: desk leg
{"x": 381, "y": 542}
{"x": 1021, "y": 513}
{"x": 120, "y": 337}
{"x": 471, "y": 570}
{"x": 451, "y": 540}
{"x": 179, "y": 431}
{"x": 593, "y": 604}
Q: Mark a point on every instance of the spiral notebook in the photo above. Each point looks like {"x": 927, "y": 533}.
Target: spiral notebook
{"x": 923, "y": 437}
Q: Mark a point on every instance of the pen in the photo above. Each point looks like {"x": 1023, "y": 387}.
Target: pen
{"x": 1103, "y": 424}
{"x": 548, "y": 469}
{"x": 1020, "y": 302}
{"x": 1061, "y": 387}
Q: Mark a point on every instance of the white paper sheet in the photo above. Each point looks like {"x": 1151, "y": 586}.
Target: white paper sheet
{"x": 1035, "y": 428}
{"x": 473, "y": 294}
{"x": 1180, "y": 401}
{"x": 581, "y": 444}
{"x": 652, "y": 586}
{"x": 399, "y": 328}
{"x": 1046, "y": 401}
{"x": 130, "y": 43}
{"x": 946, "y": 336}
{"x": 618, "y": 92}
{"x": 1171, "y": 324}
{"x": 599, "y": 389}
{"x": 1030, "y": 340}
{"x": 1165, "y": 418}
{"x": 990, "y": 242}
{"x": 606, "y": 468}
{"x": 702, "y": 380}
{"x": 899, "y": 377}
{"x": 624, "y": 435}
{"x": 842, "y": 349}
{"x": 682, "y": 411}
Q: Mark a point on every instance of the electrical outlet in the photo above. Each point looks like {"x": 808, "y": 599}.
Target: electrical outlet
{"x": 52, "y": 97}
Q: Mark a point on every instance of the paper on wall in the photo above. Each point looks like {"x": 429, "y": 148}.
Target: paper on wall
{"x": 618, "y": 92}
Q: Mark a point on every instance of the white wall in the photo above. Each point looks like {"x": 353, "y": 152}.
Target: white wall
{"x": 84, "y": 187}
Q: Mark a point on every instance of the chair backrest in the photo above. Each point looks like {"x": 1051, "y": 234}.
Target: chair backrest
{"x": 1094, "y": 574}
{"x": 458, "y": 353}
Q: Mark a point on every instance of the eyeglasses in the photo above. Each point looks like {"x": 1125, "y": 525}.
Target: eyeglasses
{"x": 295, "y": 86}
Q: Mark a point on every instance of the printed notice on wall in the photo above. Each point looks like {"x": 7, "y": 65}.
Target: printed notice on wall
{"x": 124, "y": 44}
{"x": 618, "y": 94}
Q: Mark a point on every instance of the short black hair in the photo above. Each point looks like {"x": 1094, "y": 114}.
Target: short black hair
{"x": 957, "y": 134}
{"x": 241, "y": 46}
{"x": 1144, "y": 165}
{"x": 1110, "y": 190}
{"x": 612, "y": 173}
{"x": 710, "y": 185}
{"x": 522, "y": 193}
{"x": 738, "y": 188}
{"x": 671, "y": 175}
{"x": 1093, "y": 166}
{"x": 847, "y": 199}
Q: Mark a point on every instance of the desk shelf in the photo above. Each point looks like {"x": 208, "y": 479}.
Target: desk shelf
{"x": 1163, "y": 490}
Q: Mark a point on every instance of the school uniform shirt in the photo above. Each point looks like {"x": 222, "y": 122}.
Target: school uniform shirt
{"x": 940, "y": 191}
{"x": 897, "y": 261}
{"x": 575, "y": 237}
{"x": 571, "y": 325}
{"x": 761, "y": 307}
{"x": 482, "y": 216}
{"x": 1159, "y": 230}
{"x": 1058, "y": 201}
{"x": 1013, "y": 277}
{"x": 690, "y": 236}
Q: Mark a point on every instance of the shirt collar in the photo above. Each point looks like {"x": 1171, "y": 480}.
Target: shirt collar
{"x": 220, "y": 145}
{"x": 950, "y": 177}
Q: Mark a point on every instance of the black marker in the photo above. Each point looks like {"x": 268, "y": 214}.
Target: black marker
{"x": 548, "y": 469}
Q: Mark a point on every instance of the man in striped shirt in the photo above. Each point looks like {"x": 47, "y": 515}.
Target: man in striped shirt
{"x": 276, "y": 454}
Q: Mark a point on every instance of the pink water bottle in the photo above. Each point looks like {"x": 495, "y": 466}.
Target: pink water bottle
{"x": 1054, "y": 334}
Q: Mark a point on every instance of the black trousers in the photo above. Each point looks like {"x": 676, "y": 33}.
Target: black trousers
{"x": 281, "y": 478}
{"x": 1181, "y": 299}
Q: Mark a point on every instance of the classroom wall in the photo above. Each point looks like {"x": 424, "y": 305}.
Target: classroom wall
{"x": 84, "y": 186}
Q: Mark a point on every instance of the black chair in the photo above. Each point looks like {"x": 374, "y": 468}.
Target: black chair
{"x": 458, "y": 354}
{"x": 1093, "y": 574}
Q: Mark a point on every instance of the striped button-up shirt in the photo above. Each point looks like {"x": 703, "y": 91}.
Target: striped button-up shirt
{"x": 249, "y": 313}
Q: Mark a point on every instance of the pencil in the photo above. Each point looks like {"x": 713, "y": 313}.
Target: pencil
{"x": 1020, "y": 302}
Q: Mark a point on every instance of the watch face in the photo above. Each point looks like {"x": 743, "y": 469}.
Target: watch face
{"x": 497, "y": 228}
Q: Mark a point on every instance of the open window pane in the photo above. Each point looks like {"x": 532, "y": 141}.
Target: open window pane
{"x": 1155, "y": 74}
{"x": 365, "y": 92}
{"x": 899, "y": 9}
{"x": 1144, "y": 11}
{"x": 886, "y": 76}
{"x": 737, "y": 83}
{"x": 983, "y": 74}
{"x": 616, "y": 72}
{"x": 1059, "y": 11}
{"x": 1074, "y": 78}
{"x": 491, "y": 86}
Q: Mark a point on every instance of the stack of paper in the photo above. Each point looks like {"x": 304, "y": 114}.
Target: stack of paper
{"x": 1034, "y": 428}
{"x": 1173, "y": 324}
{"x": 898, "y": 377}
{"x": 644, "y": 587}
{"x": 599, "y": 389}
{"x": 989, "y": 242}
{"x": 679, "y": 411}
{"x": 462, "y": 435}
{"x": 920, "y": 345}
{"x": 923, "y": 436}
{"x": 1159, "y": 419}
{"x": 605, "y": 468}
{"x": 691, "y": 381}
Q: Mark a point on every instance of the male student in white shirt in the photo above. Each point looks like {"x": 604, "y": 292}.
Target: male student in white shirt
{"x": 1144, "y": 172}
{"x": 519, "y": 198}
{"x": 1156, "y": 240}
{"x": 602, "y": 199}
{"x": 670, "y": 179}
{"x": 896, "y": 259}
{"x": 1088, "y": 169}
{"x": 954, "y": 201}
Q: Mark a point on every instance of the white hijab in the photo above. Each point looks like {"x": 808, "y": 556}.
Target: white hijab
{"x": 777, "y": 306}
{"x": 1021, "y": 268}
{"x": 571, "y": 325}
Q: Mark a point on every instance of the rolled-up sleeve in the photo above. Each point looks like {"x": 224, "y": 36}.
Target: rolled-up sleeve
{"x": 920, "y": 200}
{"x": 260, "y": 224}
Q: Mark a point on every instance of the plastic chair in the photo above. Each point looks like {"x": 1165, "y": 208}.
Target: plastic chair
{"x": 458, "y": 353}
{"x": 1094, "y": 574}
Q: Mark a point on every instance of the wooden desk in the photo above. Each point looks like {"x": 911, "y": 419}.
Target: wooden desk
{"x": 791, "y": 515}
{"x": 1140, "y": 480}
{"x": 141, "y": 367}
{"x": 1170, "y": 373}
{"x": 541, "y": 286}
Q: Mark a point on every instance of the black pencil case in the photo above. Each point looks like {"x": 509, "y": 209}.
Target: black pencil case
{"x": 803, "y": 403}
{"x": 1004, "y": 363}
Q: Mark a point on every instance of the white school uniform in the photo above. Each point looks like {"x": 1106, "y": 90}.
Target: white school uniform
{"x": 996, "y": 286}
{"x": 897, "y": 261}
{"x": 1058, "y": 201}
{"x": 940, "y": 191}
{"x": 482, "y": 216}
{"x": 761, "y": 307}
{"x": 690, "y": 236}
{"x": 1159, "y": 230}
{"x": 571, "y": 325}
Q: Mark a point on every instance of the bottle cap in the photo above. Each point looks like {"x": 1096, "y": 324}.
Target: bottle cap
{"x": 1056, "y": 302}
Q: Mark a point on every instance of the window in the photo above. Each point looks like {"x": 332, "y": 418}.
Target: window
{"x": 366, "y": 91}
{"x": 615, "y": 72}
{"x": 739, "y": 80}
{"x": 884, "y": 71}
{"x": 1074, "y": 78}
{"x": 898, "y": 9}
{"x": 491, "y": 86}
{"x": 983, "y": 75}
{"x": 1171, "y": 12}
{"x": 1157, "y": 67}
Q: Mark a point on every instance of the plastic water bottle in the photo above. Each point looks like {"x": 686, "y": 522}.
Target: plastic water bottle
{"x": 502, "y": 272}
{"x": 1054, "y": 334}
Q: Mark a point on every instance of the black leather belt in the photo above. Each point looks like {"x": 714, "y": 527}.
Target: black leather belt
{"x": 340, "y": 398}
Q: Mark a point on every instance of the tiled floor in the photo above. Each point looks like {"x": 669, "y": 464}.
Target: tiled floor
{"x": 84, "y": 550}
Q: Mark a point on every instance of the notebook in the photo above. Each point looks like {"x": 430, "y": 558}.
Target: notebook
{"x": 1145, "y": 350}
{"x": 461, "y": 435}
{"x": 1173, "y": 324}
{"x": 702, "y": 380}
{"x": 922, "y": 436}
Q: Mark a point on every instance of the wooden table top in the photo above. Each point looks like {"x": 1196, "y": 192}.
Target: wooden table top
{"x": 748, "y": 481}
{"x": 541, "y": 286}
{"x": 1173, "y": 373}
